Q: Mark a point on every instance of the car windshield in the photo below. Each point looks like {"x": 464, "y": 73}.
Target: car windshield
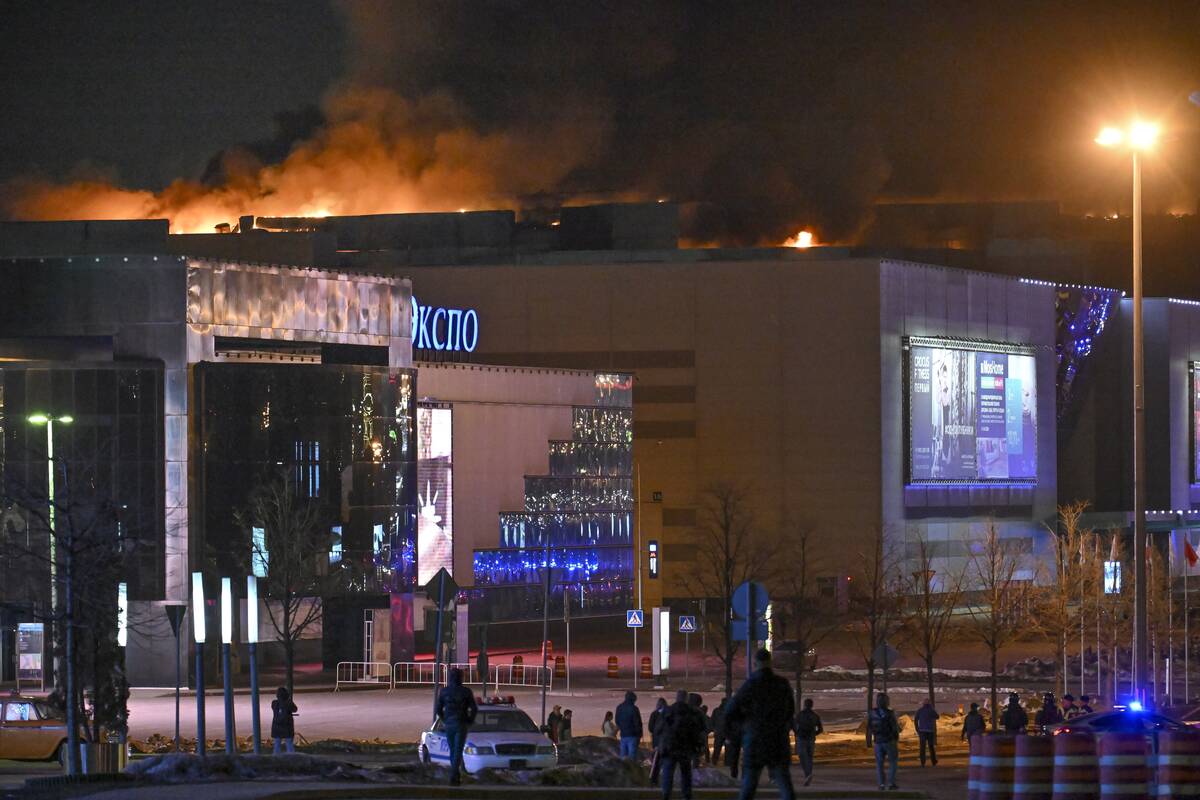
{"x": 509, "y": 721}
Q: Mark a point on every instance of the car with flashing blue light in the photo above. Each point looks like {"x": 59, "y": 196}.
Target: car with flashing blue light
{"x": 502, "y": 737}
{"x": 1130, "y": 719}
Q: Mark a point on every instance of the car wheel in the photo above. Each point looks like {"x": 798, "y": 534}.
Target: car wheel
{"x": 424, "y": 753}
{"x": 60, "y": 755}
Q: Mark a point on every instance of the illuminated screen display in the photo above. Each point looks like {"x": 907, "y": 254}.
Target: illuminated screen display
{"x": 435, "y": 491}
{"x": 972, "y": 412}
{"x": 1195, "y": 368}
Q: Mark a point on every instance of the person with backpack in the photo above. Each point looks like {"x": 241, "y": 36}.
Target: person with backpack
{"x": 926, "y": 720}
{"x": 456, "y": 708}
{"x": 283, "y": 726}
{"x": 973, "y": 724}
{"x": 766, "y": 709}
{"x": 629, "y": 725}
{"x": 808, "y": 728}
{"x": 683, "y": 733}
{"x": 1014, "y": 719}
{"x": 885, "y": 732}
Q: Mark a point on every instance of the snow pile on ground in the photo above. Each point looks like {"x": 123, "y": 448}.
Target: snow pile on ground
{"x": 587, "y": 749}
{"x": 187, "y": 768}
{"x": 835, "y": 672}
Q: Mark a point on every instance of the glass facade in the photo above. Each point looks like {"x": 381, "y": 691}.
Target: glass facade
{"x": 114, "y": 443}
{"x": 345, "y": 433}
{"x": 578, "y": 520}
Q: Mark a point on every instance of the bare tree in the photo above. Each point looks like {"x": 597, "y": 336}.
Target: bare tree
{"x": 1062, "y": 602}
{"x": 806, "y": 620}
{"x": 293, "y": 551}
{"x": 998, "y": 598}
{"x": 875, "y": 604}
{"x": 729, "y": 551}
{"x": 930, "y": 603}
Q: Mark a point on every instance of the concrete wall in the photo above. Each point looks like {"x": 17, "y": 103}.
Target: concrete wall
{"x": 504, "y": 419}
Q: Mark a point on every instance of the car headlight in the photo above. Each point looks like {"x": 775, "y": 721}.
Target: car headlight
{"x": 545, "y": 750}
{"x": 479, "y": 750}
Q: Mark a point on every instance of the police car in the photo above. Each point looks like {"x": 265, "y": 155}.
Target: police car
{"x": 502, "y": 737}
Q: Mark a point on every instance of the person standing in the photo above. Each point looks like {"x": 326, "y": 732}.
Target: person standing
{"x": 718, "y": 725}
{"x": 683, "y": 732}
{"x": 1014, "y": 719}
{"x": 1085, "y": 705}
{"x": 629, "y": 725}
{"x": 554, "y": 723}
{"x": 697, "y": 703}
{"x": 808, "y": 728}
{"x": 656, "y": 738}
{"x": 564, "y": 727}
{"x": 456, "y": 708}
{"x": 885, "y": 731}
{"x": 733, "y": 743}
{"x": 608, "y": 728}
{"x": 1048, "y": 715}
{"x": 283, "y": 726}
{"x": 973, "y": 724}
{"x": 1069, "y": 710}
{"x": 766, "y": 709}
{"x": 926, "y": 719}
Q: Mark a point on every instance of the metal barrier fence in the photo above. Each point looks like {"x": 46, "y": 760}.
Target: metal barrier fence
{"x": 411, "y": 673}
{"x": 521, "y": 675}
{"x": 357, "y": 673}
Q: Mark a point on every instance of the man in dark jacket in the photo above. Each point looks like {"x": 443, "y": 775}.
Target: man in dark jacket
{"x": 765, "y": 707}
{"x": 885, "y": 732}
{"x": 1014, "y": 719}
{"x": 283, "y": 726}
{"x": 554, "y": 723}
{"x": 656, "y": 726}
{"x": 926, "y": 719}
{"x": 629, "y": 724}
{"x": 808, "y": 727}
{"x": 718, "y": 726}
{"x": 456, "y": 708}
{"x": 973, "y": 724}
{"x": 682, "y": 737}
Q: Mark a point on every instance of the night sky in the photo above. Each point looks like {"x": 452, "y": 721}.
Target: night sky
{"x": 769, "y": 115}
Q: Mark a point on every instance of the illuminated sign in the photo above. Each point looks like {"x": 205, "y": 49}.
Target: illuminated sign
{"x": 122, "y": 614}
{"x": 30, "y": 644}
{"x": 435, "y": 491}
{"x": 449, "y": 329}
{"x": 1112, "y": 577}
{"x": 258, "y": 552}
{"x": 653, "y": 547}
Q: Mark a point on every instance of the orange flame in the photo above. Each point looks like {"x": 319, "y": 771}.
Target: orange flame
{"x": 802, "y": 239}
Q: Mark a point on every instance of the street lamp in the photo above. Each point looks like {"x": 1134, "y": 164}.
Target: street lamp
{"x": 199, "y": 634}
{"x": 48, "y": 421}
{"x": 252, "y": 641}
{"x": 1140, "y": 137}
{"x": 226, "y": 644}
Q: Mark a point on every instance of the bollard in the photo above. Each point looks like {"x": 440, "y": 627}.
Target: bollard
{"x": 1179, "y": 764}
{"x": 996, "y": 768}
{"x": 1123, "y": 771}
{"x": 645, "y": 673}
{"x": 1076, "y": 767}
{"x": 560, "y": 667}
{"x": 1033, "y": 768}
{"x": 613, "y": 666}
{"x": 518, "y": 670}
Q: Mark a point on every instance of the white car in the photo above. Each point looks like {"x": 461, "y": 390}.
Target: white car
{"x": 502, "y": 737}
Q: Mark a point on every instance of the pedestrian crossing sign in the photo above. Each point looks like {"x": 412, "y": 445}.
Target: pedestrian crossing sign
{"x": 687, "y": 624}
{"x": 633, "y": 618}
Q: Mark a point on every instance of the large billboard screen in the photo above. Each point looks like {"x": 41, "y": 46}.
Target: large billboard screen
{"x": 435, "y": 491}
{"x": 1195, "y": 374}
{"x": 972, "y": 412}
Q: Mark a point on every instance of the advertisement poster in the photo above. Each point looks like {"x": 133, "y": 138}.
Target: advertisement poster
{"x": 973, "y": 414}
{"x": 1195, "y": 422}
{"x": 30, "y": 646}
{"x": 435, "y": 491}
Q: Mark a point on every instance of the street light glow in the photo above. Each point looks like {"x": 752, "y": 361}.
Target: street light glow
{"x": 1141, "y": 136}
{"x": 1110, "y": 137}
{"x": 45, "y": 419}
{"x": 226, "y": 611}
{"x": 39, "y": 419}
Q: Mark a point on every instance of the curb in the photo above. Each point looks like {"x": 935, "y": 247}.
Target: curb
{"x": 413, "y": 792}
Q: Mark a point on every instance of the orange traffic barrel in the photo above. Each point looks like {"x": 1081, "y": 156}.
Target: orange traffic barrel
{"x": 547, "y": 649}
{"x": 1123, "y": 771}
{"x": 612, "y": 666}
{"x": 646, "y": 667}
{"x": 975, "y": 746}
{"x": 1033, "y": 768}
{"x": 996, "y": 756}
{"x": 560, "y": 667}
{"x": 1076, "y": 767}
{"x": 518, "y": 669}
{"x": 1179, "y": 764}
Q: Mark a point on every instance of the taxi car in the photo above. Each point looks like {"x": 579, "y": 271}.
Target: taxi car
{"x": 29, "y": 730}
{"x": 502, "y": 737}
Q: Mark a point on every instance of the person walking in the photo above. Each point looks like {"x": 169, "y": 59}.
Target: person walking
{"x": 973, "y": 725}
{"x": 926, "y": 719}
{"x": 456, "y": 708}
{"x": 808, "y": 728}
{"x": 682, "y": 736}
{"x": 718, "y": 726}
{"x": 608, "y": 728}
{"x": 656, "y": 738}
{"x": 283, "y": 726}
{"x": 1014, "y": 719}
{"x": 564, "y": 727}
{"x": 885, "y": 731}
{"x": 554, "y": 723}
{"x": 766, "y": 709}
{"x": 629, "y": 725}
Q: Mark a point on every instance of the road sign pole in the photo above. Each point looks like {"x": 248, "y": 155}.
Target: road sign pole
{"x": 687, "y": 657}
{"x": 635, "y": 661}
{"x": 437, "y": 644}
{"x": 751, "y": 629}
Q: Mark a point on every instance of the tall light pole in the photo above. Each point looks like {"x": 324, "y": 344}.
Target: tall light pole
{"x": 1139, "y": 138}
{"x": 48, "y": 421}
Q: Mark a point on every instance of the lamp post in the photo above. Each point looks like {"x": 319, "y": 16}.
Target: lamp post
{"x": 1140, "y": 138}
{"x": 252, "y": 642}
{"x": 226, "y": 644}
{"x": 69, "y": 617}
{"x": 198, "y": 633}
